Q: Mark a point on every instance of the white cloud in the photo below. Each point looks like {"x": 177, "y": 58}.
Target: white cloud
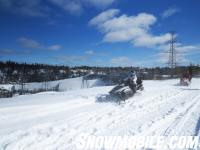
{"x": 54, "y": 47}
{"x": 33, "y": 8}
{"x": 89, "y": 52}
{"x": 181, "y": 48}
{"x": 29, "y": 43}
{"x": 169, "y": 12}
{"x": 127, "y": 61}
{"x": 123, "y": 35}
{"x": 123, "y": 22}
{"x": 72, "y": 6}
{"x": 179, "y": 59}
{"x": 121, "y": 61}
{"x": 100, "y": 3}
{"x": 77, "y": 6}
{"x": 134, "y": 29}
{"x": 182, "y": 53}
{"x": 187, "y": 48}
{"x": 150, "y": 40}
{"x": 104, "y": 16}
{"x": 33, "y": 44}
{"x": 39, "y": 8}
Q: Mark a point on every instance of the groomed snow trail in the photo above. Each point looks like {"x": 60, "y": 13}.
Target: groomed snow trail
{"x": 53, "y": 120}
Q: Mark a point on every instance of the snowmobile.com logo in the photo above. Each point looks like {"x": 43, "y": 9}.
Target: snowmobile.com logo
{"x": 85, "y": 142}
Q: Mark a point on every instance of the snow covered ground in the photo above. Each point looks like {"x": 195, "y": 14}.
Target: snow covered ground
{"x": 53, "y": 120}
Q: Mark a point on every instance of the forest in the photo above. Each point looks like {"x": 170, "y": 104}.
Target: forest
{"x": 14, "y": 72}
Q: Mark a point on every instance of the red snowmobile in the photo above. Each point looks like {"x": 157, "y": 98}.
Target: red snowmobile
{"x": 185, "y": 79}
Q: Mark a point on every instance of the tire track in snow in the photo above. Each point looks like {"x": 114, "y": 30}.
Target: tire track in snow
{"x": 178, "y": 126}
{"x": 144, "y": 108}
{"x": 120, "y": 118}
{"x": 172, "y": 117}
{"x": 150, "y": 114}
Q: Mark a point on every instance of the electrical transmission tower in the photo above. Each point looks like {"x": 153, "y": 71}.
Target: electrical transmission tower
{"x": 172, "y": 53}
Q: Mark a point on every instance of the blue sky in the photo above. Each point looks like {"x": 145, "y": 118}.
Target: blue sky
{"x": 99, "y": 32}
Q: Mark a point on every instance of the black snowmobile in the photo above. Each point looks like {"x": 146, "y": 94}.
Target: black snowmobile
{"x": 122, "y": 91}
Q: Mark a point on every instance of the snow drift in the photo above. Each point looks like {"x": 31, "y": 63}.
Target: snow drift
{"x": 64, "y": 85}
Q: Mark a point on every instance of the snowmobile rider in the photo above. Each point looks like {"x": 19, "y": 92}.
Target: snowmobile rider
{"x": 130, "y": 81}
{"x": 187, "y": 75}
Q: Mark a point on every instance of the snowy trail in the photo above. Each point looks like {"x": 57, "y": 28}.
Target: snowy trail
{"x": 53, "y": 120}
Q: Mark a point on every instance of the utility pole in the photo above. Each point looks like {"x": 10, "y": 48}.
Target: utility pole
{"x": 172, "y": 54}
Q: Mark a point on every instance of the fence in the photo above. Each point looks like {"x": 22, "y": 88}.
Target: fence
{"x": 5, "y": 93}
{"x": 10, "y": 93}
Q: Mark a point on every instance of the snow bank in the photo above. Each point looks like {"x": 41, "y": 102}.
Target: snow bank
{"x": 6, "y": 86}
{"x": 64, "y": 85}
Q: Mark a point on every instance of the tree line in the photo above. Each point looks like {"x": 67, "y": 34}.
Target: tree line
{"x": 23, "y": 72}
{"x": 13, "y": 72}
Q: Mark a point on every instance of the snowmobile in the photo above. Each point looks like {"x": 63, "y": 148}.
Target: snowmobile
{"x": 121, "y": 92}
{"x": 184, "y": 82}
{"x": 185, "y": 79}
